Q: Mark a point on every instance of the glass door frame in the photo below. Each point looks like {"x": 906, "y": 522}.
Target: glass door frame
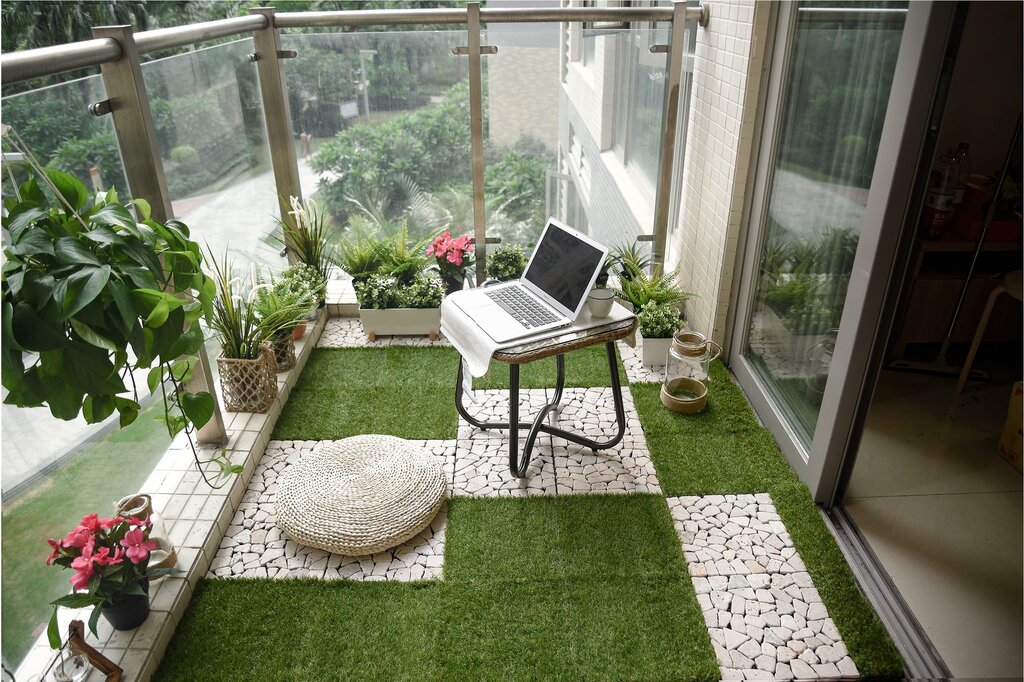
{"x": 876, "y": 268}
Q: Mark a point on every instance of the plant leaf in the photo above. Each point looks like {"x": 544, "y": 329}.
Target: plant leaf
{"x": 33, "y": 332}
{"x": 95, "y": 279}
{"x": 71, "y": 251}
{"x": 198, "y": 407}
{"x": 88, "y": 335}
{"x": 154, "y": 377}
{"x": 32, "y": 243}
{"x": 70, "y": 187}
{"x": 53, "y": 631}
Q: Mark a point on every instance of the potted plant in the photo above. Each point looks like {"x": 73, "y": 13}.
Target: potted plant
{"x": 657, "y": 322}
{"x": 359, "y": 256}
{"x": 627, "y": 261}
{"x": 278, "y": 300}
{"x": 247, "y": 367}
{"x": 506, "y": 263}
{"x": 386, "y": 306}
{"x": 303, "y": 278}
{"x": 110, "y": 558}
{"x": 85, "y": 281}
{"x": 453, "y": 256}
{"x": 639, "y": 289}
{"x": 306, "y": 237}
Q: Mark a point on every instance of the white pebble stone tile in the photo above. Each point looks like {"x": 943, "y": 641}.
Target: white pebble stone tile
{"x": 765, "y": 618}
{"x": 255, "y": 547}
{"x": 347, "y": 332}
{"x": 632, "y": 361}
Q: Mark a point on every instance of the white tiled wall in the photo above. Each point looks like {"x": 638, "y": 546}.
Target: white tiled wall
{"x": 727, "y": 75}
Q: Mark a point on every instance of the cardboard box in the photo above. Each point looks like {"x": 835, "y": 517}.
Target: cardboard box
{"x": 1011, "y": 444}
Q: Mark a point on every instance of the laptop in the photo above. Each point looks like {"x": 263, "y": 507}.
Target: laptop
{"x": 550, "y": 294}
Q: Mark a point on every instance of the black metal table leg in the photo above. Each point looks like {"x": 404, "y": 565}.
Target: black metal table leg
{"x": 518, "y": 462}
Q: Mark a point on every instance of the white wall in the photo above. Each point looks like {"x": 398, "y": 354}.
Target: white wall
{"x": 727, "y": 74}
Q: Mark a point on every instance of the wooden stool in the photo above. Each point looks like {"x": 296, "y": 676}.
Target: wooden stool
{"x": 1011, "y": 285}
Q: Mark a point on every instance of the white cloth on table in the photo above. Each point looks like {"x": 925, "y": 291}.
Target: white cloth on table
{"x": 476, "y": 346}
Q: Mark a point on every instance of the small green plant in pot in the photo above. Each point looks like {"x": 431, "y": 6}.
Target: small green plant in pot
{"x": 507, "y": 263}
{"x": 657, "y": 322}
{"x": 641, "y": 289}
{"x": 276, "y": 301}
{"x": 307, "y": 238}
{"x": 389, "y": 307}
{"x": 247, "y": 367}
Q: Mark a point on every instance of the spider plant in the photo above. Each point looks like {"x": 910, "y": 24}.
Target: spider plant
{"x": 307, "y": 236}
{"x": 236, "y": 319}
{"x": 629, "y": 260}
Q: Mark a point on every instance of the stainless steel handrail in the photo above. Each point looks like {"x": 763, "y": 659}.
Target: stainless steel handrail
{"x": 167, "y": 38}
{"x": 47, "y": 61}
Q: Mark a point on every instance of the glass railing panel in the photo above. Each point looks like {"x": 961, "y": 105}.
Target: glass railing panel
{"x": 382, "y": 128}
{"x": 208, "y": 114}
{"x": 55, "y": 471}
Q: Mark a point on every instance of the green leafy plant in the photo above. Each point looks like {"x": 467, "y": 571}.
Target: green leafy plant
{"x": 281, "y": 299}
{"x": 359, "y": 255}
{"x": 506, "y": 263}
{"x": 628, "y": 261}
{"x": 306, "y": 236}
{"x": 658, "y": 321}
{"x": 811, "y": 317}
{"x": 303, "y": 278}
{"x": 383, "y": 292}
{"x": 236, "y": 319}
{"x": 641, "y": 289}
{"x": 792, "y": 290}
{"x": 403, "y": 259}
{"x": 85, "y": 282}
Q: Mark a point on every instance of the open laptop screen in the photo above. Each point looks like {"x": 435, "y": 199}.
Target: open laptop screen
{"x": 563, "y": 266}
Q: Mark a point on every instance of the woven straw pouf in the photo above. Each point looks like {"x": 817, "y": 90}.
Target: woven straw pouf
{"x": 360, "y": 495}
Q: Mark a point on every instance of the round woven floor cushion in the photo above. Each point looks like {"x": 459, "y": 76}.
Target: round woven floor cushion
{"x": 360, "y": 495}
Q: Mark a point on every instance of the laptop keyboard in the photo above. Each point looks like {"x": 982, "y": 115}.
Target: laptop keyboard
{"x": 522, "y": 307}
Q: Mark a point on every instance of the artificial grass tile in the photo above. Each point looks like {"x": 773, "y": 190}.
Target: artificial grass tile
{"x": 305, "y": 630}
{"x": 350, "y": 411}
{"x": 583, "y": 369}
{"x": 576, "y": 536}
{"x": 724, "y": 450}
{"x": 575, "y": 629}
{"x": 400, "y": 391}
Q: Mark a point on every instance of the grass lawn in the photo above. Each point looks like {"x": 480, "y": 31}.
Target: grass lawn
{"x": 573, "y": 587}
{"x": 724, "y": 450}
{"x": 91, "y": 481}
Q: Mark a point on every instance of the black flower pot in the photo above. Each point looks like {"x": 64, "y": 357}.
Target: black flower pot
{"x": 128, "y": 612}
{"x": 451, "y": 284}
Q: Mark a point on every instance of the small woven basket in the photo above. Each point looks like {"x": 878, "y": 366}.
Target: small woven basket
{"x": 284, "y": 352}
{"x": 248, "y": 385}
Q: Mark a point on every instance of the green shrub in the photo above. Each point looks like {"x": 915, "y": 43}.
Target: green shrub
{"x": 658, "y": 321}
{"x": 384, "y": 291}
{"x": 185, "y": 155}
{"x": 506, "y": 263}
{"x": 429, "y": 146}
{"x": 302, "y": 277}
{"x": 516, "y": 182}
{"x": 792, "y": 292}
{"x": 99, "y": 150}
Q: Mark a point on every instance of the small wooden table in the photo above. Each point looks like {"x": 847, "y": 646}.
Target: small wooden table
{"x": 557, "y": 344}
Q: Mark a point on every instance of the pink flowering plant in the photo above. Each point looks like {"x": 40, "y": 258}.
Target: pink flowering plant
{"x": 453, "y": 255}
{"x": 110, "y": 560}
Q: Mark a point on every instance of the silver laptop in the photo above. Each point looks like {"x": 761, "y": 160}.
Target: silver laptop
{"x": 551, "y": 292}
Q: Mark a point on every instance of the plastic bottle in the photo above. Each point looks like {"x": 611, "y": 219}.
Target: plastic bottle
{"x": 963, "y": 160}
{"x": 940, "y": 200}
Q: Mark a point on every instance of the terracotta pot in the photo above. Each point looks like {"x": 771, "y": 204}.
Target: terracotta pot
{"x": 299, "y": 331}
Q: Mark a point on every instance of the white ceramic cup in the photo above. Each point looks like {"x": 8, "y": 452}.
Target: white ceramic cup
{"x": 599, "y": 301}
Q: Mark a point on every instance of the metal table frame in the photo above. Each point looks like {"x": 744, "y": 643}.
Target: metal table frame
{"x": 557, "y": 345}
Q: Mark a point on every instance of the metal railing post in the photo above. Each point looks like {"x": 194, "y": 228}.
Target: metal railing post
{"x": 276, "y": 113}
{"x": 662, "y": 201}
{"x": 476, "y": 127}
{"x": 144, "y": 170}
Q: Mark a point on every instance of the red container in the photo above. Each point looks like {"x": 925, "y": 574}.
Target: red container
{"x": 970, "y": 215}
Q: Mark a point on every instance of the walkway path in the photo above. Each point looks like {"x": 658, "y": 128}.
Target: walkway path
{"x": 765, "y": 619}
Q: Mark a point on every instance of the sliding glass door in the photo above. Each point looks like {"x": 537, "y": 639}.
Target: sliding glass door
{"x": 825, "y": 111}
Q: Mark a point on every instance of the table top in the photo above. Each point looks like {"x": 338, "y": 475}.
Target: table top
{"x": 562, "y": 341}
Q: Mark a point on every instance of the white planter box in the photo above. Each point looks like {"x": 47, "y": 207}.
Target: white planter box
{"x": 797, "y": 347}
{"x": 655, "y": 351}
{"x": 401, "y": 321}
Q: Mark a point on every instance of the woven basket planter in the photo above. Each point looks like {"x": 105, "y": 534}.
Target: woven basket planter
{"x": 284, "y": 352}
{"x": 248, "y": 385}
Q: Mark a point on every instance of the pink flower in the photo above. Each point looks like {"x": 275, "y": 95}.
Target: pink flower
{"x": 55, "y": 546}
{"x": 78, "y": 537}
{"x": 140, "y": 523}
{"x": 107, "y": 524}
{"x": 83, "y": 567}
{"x": 90, "y": 521}
{"x": 137, "y": 545}
{"x": 103, "y": 557}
